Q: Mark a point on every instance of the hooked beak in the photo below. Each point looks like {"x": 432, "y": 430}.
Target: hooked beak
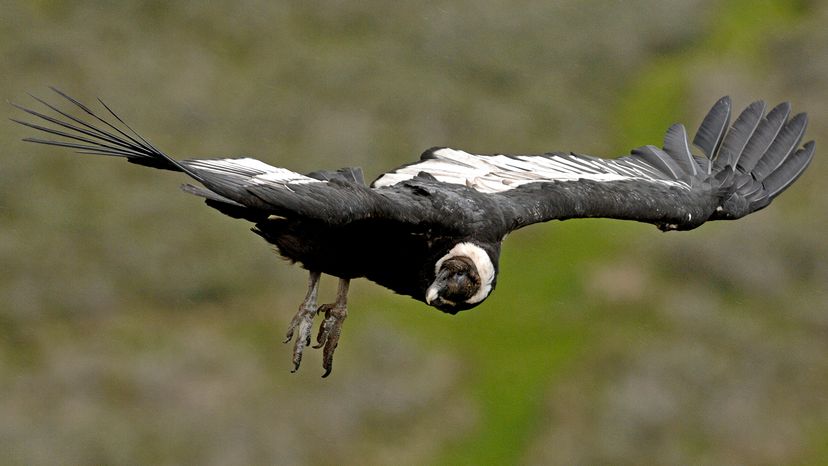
{"x": 433, "y": 291}
{"x": 432, "y": 296}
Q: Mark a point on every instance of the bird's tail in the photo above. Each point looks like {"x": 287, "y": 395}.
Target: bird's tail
{"x": 94, "y": 134}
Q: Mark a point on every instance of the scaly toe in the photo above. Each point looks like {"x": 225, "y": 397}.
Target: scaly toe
{"x": 303, "y": 324}
{"x": 324, "y": 326}
{"x": 331, "y": 341}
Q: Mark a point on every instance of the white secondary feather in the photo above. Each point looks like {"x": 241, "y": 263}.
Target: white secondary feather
{"x": 285, "y": 176}
{"x": 258, "y": 171}
{"x": 497, "y": 173}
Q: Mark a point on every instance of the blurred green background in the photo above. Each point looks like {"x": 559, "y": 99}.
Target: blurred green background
{"x": 138, "y": 326}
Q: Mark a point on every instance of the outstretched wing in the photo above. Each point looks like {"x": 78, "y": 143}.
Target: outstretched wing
{"x": 239, "y": 187}
{"x": 742, "y": 169}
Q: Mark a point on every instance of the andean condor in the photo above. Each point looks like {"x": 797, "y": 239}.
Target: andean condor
{"x": 432, "y": 229}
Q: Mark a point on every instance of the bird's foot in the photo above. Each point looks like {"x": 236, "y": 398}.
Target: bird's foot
{"x": 302, "y": 323}
{"x": 329, "y": 332}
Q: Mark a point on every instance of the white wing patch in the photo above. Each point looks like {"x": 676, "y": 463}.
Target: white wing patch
{"x": 257, "y": 171}
{"x": 498, "y": 173}
{"x": 284, "y": 176}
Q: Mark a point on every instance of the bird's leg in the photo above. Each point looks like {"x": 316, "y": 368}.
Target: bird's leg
{"x": 303, "y": 320}
{"x": 331, "y": 328}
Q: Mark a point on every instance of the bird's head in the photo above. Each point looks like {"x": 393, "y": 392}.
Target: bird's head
{"x": 463, "y": 278}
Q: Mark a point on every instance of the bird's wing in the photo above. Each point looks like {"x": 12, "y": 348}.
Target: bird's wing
{"x": 327, "y": 197}
{"x": 239, "y": 187}
{"x": 743, "y": 167}
{"x": 247, "y": 182}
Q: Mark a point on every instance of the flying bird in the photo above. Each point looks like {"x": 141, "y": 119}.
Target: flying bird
{"x": 432, "y": 229}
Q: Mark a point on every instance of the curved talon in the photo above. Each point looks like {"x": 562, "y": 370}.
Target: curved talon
{"x": 333, "y": 330}
{"x": 324, "y": 326}
{"x": 303, "y": 321}
{"x": 305, "y": 325}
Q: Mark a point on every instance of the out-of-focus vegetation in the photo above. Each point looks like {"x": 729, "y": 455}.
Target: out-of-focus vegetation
{"x": 138, "y": 326}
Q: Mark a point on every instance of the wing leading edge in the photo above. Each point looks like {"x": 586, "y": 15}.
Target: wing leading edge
{"x": 743, "y": 167}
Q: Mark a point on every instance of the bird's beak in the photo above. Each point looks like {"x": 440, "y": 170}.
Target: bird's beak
{"x": 433, "y": 292}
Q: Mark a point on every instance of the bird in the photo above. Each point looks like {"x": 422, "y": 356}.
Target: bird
{"x": 432, "y": 229}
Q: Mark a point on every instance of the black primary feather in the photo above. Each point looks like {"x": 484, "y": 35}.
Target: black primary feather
{"x": 766, "y": 132}
{"x": 660, "y": 160}
{"x": 789, "y": 171}
{"x": 87, "y": 138}
{"x": 713, "y": 127}
{"x": 785, "y": 144}
{"x": 675, "y": 144}
{"x": 740, "y": 133}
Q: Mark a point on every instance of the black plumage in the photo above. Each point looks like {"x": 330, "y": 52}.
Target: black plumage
{"x": 432, "y": 229}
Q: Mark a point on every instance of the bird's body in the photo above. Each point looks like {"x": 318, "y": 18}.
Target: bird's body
{"x": 357, "y": 250}
{"x": 432, "y": 229}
